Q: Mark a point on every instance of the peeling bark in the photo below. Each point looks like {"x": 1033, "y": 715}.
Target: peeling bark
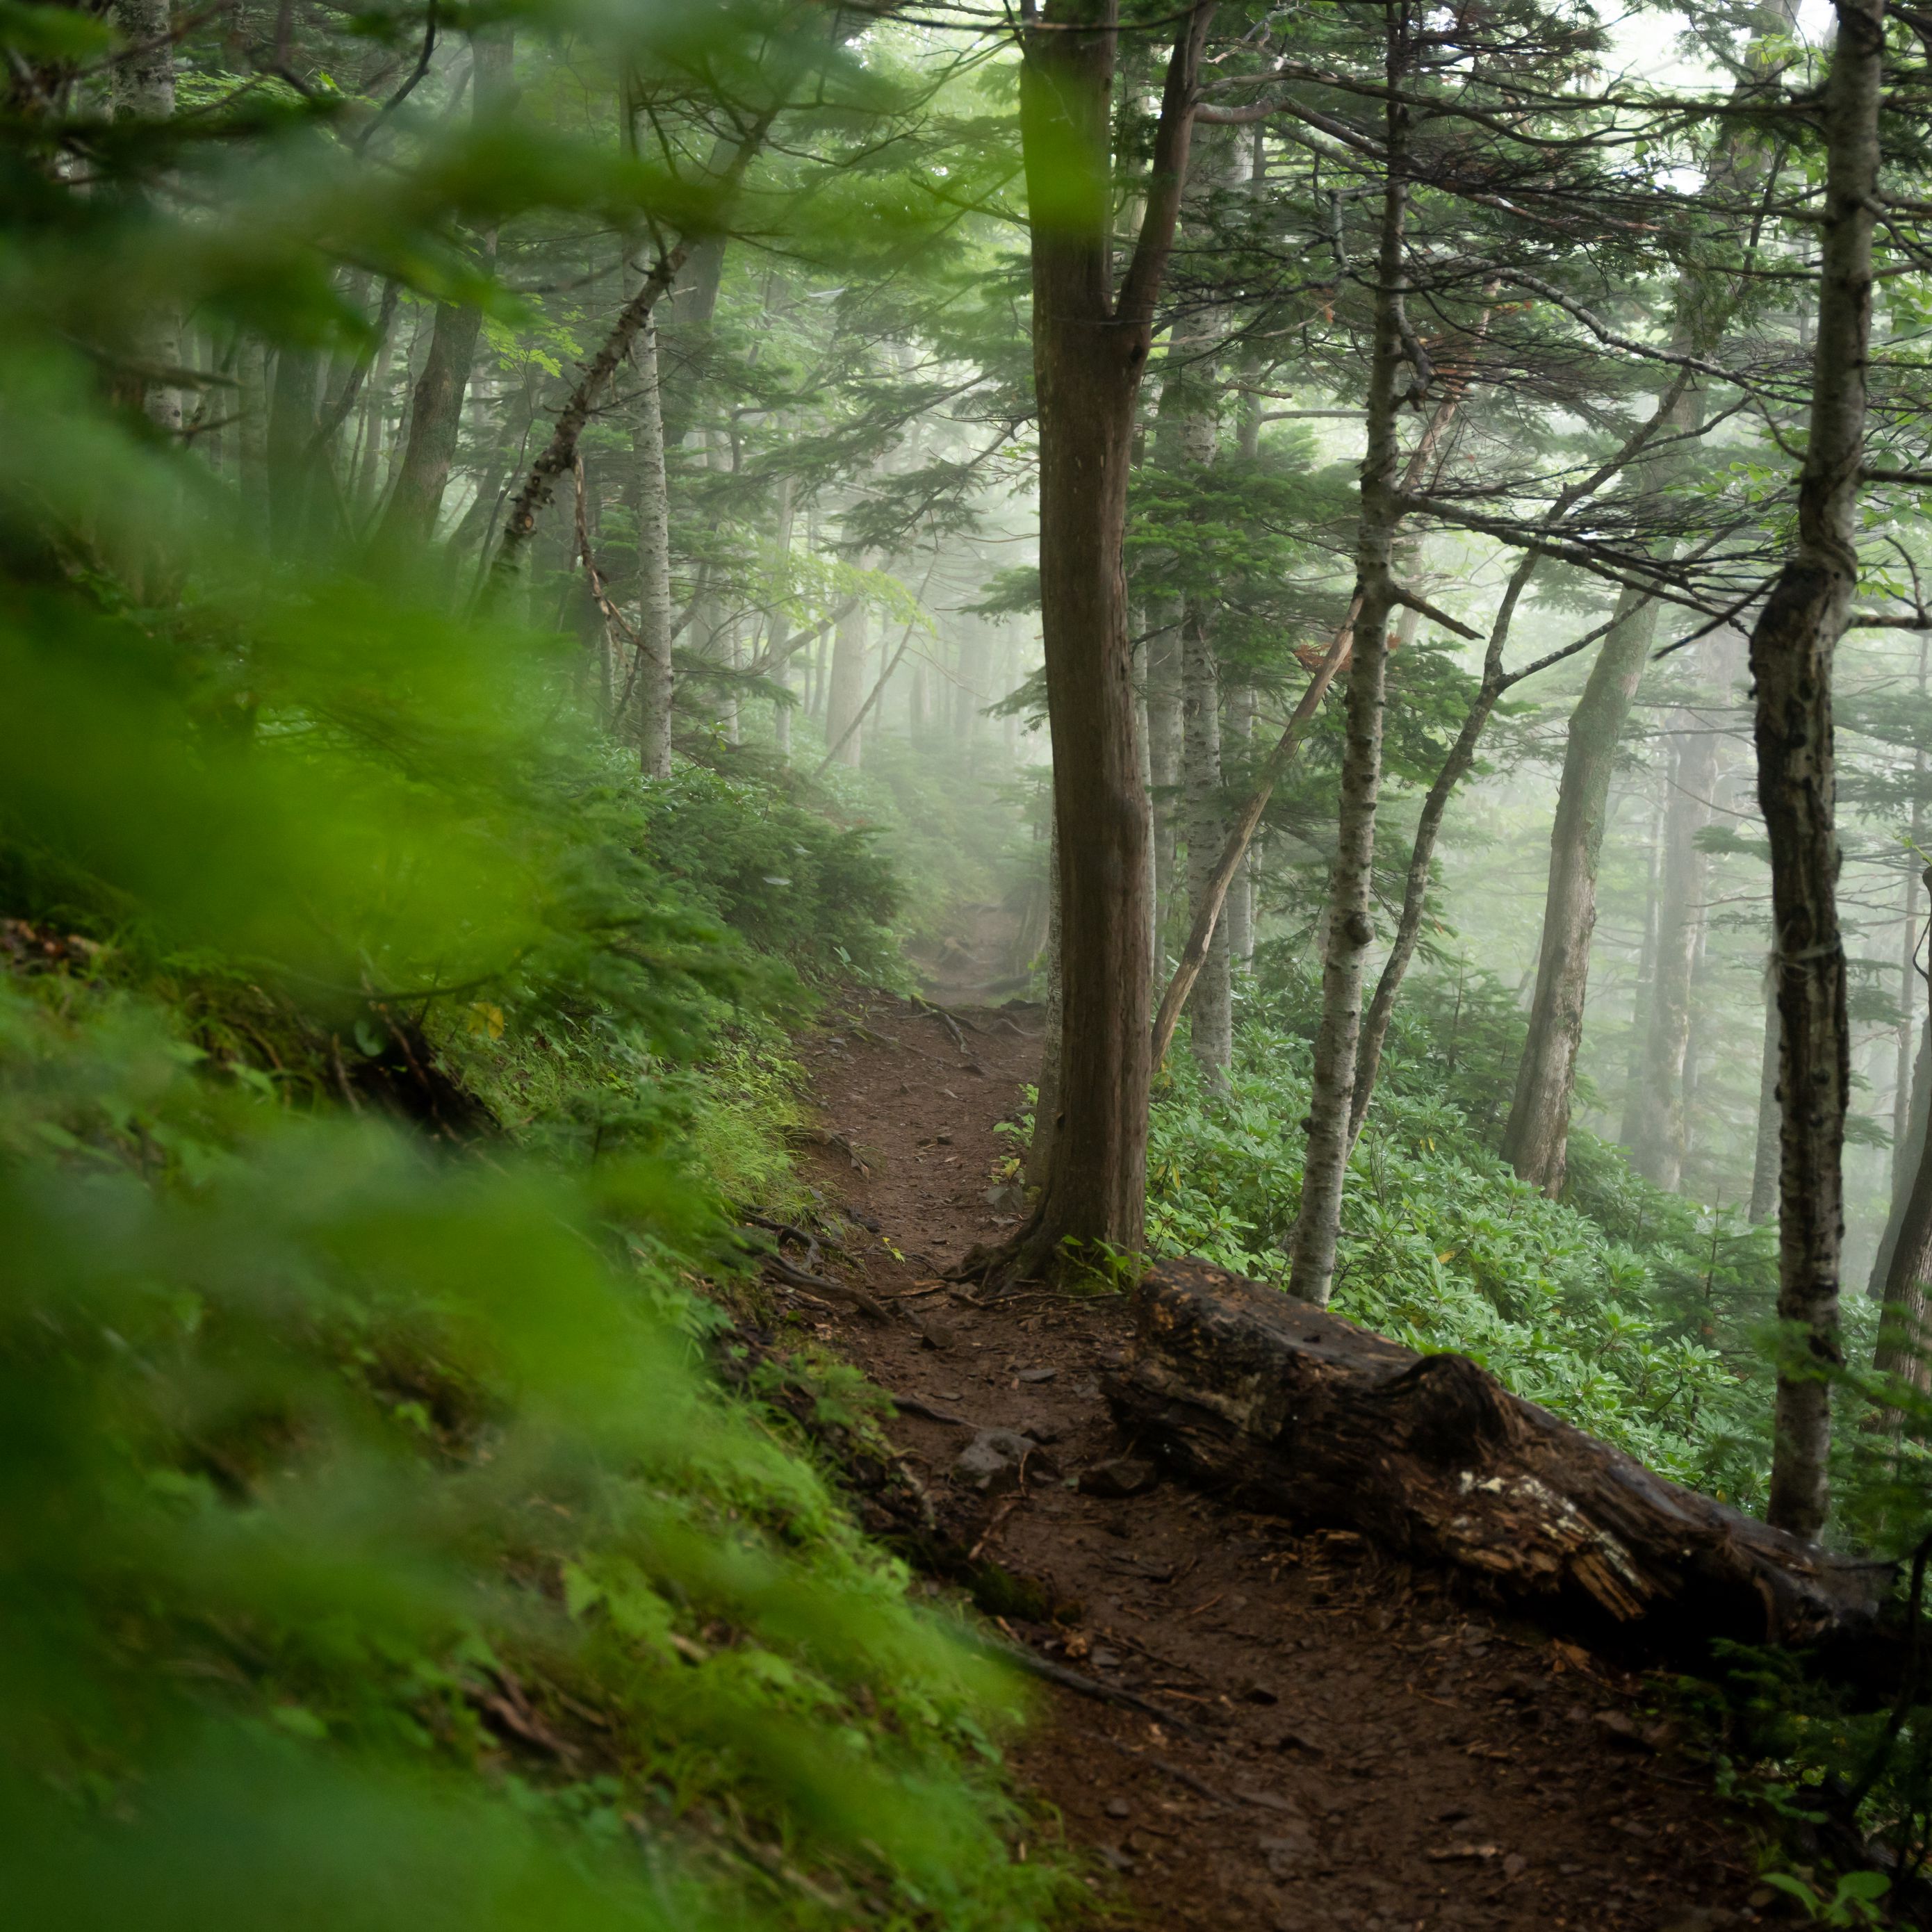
{"x": 1791, "y": 652}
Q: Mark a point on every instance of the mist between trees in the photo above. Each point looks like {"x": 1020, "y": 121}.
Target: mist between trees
{"x": 1368, "y": 557}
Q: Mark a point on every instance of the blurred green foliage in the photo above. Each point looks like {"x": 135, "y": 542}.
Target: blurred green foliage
{"x": 382, "y": 1063}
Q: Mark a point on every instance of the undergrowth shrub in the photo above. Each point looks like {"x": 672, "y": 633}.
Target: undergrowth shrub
{"x": 1647, "y": 1335}
{"x": 354, "y": 1487}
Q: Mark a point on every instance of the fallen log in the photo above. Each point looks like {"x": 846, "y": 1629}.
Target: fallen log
{"x": 1301, "y": 1413}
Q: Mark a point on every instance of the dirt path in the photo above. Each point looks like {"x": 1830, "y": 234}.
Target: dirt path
{"x": 1349, "y": 1746}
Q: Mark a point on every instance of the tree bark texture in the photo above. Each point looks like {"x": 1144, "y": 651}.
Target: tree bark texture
{"x": 1318, "y": 1223}
{"x": 1091, "y": 346}
{"x": 1536, "y": 1137}
{"x": 1292, "y": 1410}
{"x": 1791, "y": 651}
{"x": 655, "y": 680}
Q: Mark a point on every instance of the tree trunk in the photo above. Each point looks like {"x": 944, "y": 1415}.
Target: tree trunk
{"x": 1291, "y": 1410}
{"x": 1046, "y": 1107}
{"x": 435, "y": 424}
{"x": 1428, "y": 829}
{"x": 1163, "y": 718}
{"x": 291, "y": 464}
{"x": 1239, "y": 727}
{"x": 1536, "y": 1137}
{"x": 1791, "y": 652}
{"x": 1657, "y": 1145}
{"x": 1764, "y": 1163}
{"x": 1908, "y": 1096}
{"x": 252, "y": 400}
{"x": 1090, "y": 348}
{"x": 1318, "y": 1222}
{"x": 1910, "y": 1153}
{"x": 143, "y": 90}
{"x": 850, "y": 645}
{"x": 1213, "y": 1014}
{"x": 655, "y": 680}
{"x": 1646, "y": 964}
{"x": 435, "y": 408}
{"x": 1904, "y": 1334}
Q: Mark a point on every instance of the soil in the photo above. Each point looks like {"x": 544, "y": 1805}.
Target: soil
{"x": 1342, "y": 1741}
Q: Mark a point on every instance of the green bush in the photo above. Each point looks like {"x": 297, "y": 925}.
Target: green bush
{"x": 1646, "y": 1338}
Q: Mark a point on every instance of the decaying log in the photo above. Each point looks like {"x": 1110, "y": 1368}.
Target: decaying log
{"x": 1300, "y": 1412}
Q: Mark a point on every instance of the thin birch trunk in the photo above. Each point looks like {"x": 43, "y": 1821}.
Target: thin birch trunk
{"x": 1318, "y": 1225}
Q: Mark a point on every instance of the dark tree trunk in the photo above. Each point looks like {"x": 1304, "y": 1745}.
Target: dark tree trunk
{"x": 1292, "y": 1410}
{"x": 290, "y": 456}
{"x": 435, "y": 408}
{"x": 1089, "y": 351}
{"x": 435, "y": 424}
{"x": 1791, "y": 652}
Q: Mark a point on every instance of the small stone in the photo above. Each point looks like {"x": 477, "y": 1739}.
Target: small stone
{"x": 1619, "y": 1727}
{"x": 1117, "y": 1807}
{"x": 1259, "y": 1693}
{"x": 1123, "y": 1476}
{"x": 1038, "y": 1375}
{"x": 1515, "y": 1865}
{"x": 998, "y": 1459}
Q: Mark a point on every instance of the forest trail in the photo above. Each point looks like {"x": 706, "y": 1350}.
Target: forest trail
{"x": 1351, "y": 1746}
